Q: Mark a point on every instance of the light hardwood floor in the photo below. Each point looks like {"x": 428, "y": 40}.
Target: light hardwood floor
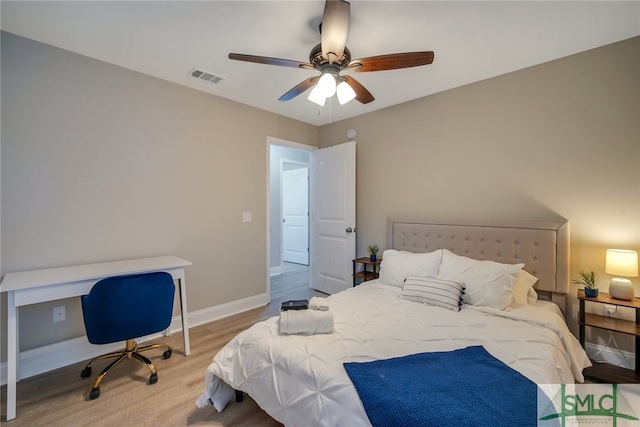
{"x": 61, "y": 397}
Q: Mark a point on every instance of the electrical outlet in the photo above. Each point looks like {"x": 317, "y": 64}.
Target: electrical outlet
{"x": 59, "y": 313}
{"x": 246, "y": 216}
{"x": 610, "y": 310}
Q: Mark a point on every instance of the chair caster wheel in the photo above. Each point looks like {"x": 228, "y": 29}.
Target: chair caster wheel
{"x": 166, "y": 354}
{"x": 86, "y": 372}
{"x": 153, "y": 379}
{"x": 95, "y": 393}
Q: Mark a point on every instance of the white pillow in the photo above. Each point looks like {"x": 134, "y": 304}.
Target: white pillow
{"x": 397, "y": 265}
{"x": 521, "y": 289}
{"x": 429, "y": 290}
{"x": 487, "y": 283}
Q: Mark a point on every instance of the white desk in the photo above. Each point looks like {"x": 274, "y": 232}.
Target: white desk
{"x": 36, "y": 286}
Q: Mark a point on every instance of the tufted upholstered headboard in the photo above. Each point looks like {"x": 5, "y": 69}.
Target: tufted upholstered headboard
{"x": 542, "y": 245}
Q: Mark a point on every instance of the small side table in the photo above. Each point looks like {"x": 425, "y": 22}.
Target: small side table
{"x": 366, "y": 274}
{"x": 600, "y": 371}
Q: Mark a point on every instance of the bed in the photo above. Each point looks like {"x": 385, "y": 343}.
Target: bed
{"x": 515, "y": 278}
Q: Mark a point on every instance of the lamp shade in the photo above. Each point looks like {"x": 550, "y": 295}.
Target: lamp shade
{"x": 345, "y": 93}
{"x": 620, "y": 262}
{"x": 317, "y": 96}
{"x": 327, "y": 84}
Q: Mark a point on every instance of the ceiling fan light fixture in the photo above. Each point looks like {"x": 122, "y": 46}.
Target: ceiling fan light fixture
{"x": 345, "y": 93}
{"x": 317, "y": 96}
{"x": 331, "y": 56}
{"x": 327, "y": 84}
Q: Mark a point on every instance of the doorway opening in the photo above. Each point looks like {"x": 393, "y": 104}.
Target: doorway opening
{"x": 331, "y": 212}
{"x": 289, "y": 264}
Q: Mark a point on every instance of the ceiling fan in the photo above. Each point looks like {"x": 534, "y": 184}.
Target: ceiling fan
{"x": 331, "y": 56}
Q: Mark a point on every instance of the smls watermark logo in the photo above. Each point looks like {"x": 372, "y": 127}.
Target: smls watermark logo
{"x": 591, "y": 404}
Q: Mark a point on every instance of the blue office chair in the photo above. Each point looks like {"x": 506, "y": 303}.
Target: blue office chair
{"x": 123, "y": 308}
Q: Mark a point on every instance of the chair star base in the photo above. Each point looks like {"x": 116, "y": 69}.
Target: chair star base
{"x": 132, "y": 351}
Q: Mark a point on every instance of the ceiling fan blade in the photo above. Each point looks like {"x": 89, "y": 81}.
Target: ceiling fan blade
{"x": 271, "y": 61}
{"x": 392, "y": 61}
{"x": 297, "y": 90}
{"x": 362, "y": 94}
{"x": 334, "y": 29}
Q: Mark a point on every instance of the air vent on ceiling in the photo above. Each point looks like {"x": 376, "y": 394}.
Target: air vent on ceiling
{"x": 205, "y": 75}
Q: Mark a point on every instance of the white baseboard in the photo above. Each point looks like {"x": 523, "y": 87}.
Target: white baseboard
{"x": 64, "y": 353}
{"x": 612, "y": 356}
{"x": 276, "y": 271}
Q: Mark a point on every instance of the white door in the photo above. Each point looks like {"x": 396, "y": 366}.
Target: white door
{"x": 333, "y": 217}
{"x": 295, "y": 215}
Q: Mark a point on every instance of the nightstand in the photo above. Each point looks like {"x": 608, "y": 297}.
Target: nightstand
{"x": 366, "y": 274}
{"x": 604, "y": 372}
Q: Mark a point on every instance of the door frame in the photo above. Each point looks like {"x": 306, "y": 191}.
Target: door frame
{"x": 302, "y": 165}
{"x": 282, "y": 143}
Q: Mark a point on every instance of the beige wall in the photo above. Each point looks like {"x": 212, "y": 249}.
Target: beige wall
{"x": 561, "y": 139}
{"x": 101, "y": 163}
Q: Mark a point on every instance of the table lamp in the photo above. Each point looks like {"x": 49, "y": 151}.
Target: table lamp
{"x": 620, "y": 262}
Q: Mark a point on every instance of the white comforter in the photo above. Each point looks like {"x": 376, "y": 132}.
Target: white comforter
{"x": 300, "y": 380}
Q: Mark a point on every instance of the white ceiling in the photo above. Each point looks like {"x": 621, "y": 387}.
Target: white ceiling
{"x": 472, "y": 41}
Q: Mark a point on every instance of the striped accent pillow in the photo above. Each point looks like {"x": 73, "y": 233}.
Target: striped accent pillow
{"x": 429, "y": 290}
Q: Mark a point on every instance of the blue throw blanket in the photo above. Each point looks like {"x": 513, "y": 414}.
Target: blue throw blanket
{"x": 466, "y": 387}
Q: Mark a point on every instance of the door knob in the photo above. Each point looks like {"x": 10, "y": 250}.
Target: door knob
{"x": 349, "y": 230}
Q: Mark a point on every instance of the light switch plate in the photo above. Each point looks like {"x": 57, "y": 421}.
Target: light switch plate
{"x": 246, "y": 216}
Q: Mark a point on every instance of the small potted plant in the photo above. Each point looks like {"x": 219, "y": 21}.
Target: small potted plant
{"x": 590, "y": 281}
{"x": 373, "y": 252}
